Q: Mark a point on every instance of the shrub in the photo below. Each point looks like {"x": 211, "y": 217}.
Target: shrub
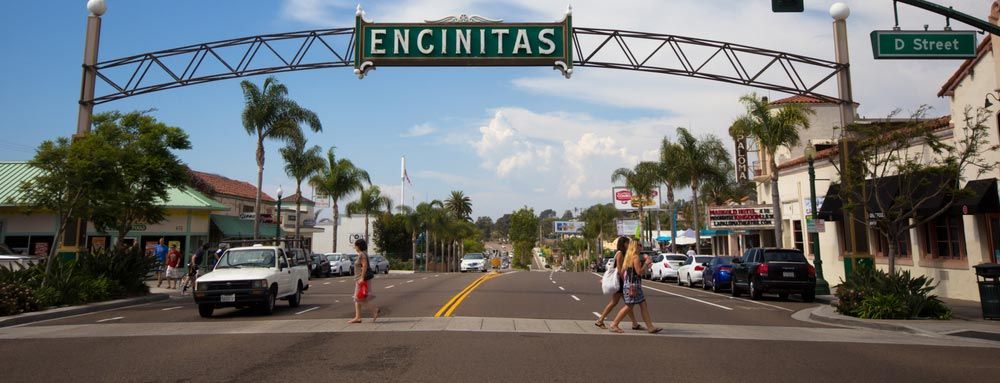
{"x": 874, "y": 294}
{"x": 127, "y": 268}
{"x": 399, "y": 264}
{"x": 16, "y": 299}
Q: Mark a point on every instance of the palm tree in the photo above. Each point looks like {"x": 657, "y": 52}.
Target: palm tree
{"x": 670, "y": 154}
{"x": 300, "y": 164}
{"x": 641, "y": 180}
{"x": 599, "y": 220}
{"x": 699, "y": 160}
{"x": 772, "y": 130}
{"x": 459, "y": 205}
{"x": 425, "y": 215}
{"x": 371, "y": 201}
{"x": 339, "y": 179}
{"x": 269, "y": 114}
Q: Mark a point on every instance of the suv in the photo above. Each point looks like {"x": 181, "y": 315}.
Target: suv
{"x": 772, "y": 270}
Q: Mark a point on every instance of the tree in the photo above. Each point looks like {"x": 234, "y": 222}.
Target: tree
{"x": 599, "y": 222}
{"x": 523, "y": 234}
{"x": 771, "y": 130}
{"x": 567, "y": 216}
{"x": 502, "y": 227}
{"x": 699, "y": 159}
{"x": 670, "y": 155}
{"x": 370, "y": 202}
{"x": 908, "y": 173}
{"x": 300, "y": 164}
{"x": 641, "y": 180}
{"x": 547, "y": 213}
{"x": 269, "y": 114}
{"x": 459, "y": 205}
{"x": 391, "y": 235}
{"x": 338, "y": 180}
{"x": 140, "y": 150}
{"x": 485, "y": 226}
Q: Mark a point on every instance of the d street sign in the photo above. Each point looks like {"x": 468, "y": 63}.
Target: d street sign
{"x": 923, "y": 44}
{"x": 462, "y": 41}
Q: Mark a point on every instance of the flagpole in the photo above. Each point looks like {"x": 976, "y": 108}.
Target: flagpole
{"x": 402, "y": 182}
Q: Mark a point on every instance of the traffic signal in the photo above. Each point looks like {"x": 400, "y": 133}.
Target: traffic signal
{"x": 786, "y": 6}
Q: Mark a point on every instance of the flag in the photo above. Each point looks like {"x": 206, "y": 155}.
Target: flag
{"x": 406, "y": 176}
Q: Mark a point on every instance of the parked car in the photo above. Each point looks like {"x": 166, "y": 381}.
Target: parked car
{"x": 602, "y": 265}
{"x": 299, "y": 257}
{"x": 320, "y": 265}
{"x": 340, "y": 263}
{"x": 718, "y": 273}
{"x": 665, "y": 266}
{"x": 770, "y": 270}
{"x": 378, "y": 264}
{"x": 690, "y": 273}
{"x": 255, "y": 276}
{"x": 473, "y": 262}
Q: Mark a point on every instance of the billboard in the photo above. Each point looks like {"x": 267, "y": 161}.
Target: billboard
{"x": 624, "y": 199}
{"x": 740, "y": 217}
{"x": 627, "y": 226}
{"x": 568, "y": 227}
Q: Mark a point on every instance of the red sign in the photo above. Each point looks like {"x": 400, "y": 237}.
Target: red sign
{"x": 623, "y": 195}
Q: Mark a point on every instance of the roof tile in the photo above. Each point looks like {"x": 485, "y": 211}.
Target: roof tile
{"x": 217, "y": 184}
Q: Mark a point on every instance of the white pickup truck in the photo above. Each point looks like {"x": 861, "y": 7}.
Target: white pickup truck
{"x": 254, "y": 276}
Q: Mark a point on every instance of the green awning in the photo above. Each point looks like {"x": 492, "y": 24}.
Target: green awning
{"x": 234, "y": 227}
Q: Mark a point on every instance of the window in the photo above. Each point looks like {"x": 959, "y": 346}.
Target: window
{"x": 247, "y": 208}
{"x": 291, "y": 218}
{"x": 797, "y": 235}
{"x": 944, "y": 238}
{"x": 903, "y": 248}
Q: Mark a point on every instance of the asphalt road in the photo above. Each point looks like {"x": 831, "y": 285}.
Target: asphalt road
{"x": 468, "y": 355}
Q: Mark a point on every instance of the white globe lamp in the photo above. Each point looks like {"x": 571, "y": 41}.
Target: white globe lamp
{"x": 97, "y": 7}
{"x": 839, "y": 11}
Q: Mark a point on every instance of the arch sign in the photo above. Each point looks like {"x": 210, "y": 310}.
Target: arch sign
{"x": 462, "y": 41}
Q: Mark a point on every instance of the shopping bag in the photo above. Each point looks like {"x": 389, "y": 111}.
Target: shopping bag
{"x": 362, "y": 290}
{"x": 609, "y": 282}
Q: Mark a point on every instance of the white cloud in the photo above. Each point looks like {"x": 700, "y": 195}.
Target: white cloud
{"x": 419, "y": 130}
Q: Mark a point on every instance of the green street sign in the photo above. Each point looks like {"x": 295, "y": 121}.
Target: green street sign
{"x": 787, "y": 6}
{"x": 463, "y": 41}
{"x": 924, "y": 44}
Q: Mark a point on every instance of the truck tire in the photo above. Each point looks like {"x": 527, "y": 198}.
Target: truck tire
{"x": 296, "y": 299}
{"x": 268, "y": 307}
{"x": 732, "y": 288}
{"x": 206, "y": 310}
{"x": 755, "y": 292}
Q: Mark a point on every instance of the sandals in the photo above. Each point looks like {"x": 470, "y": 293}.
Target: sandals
{"x": 617, "y": 330}
{"x": 638, "y": 327}
{"x": 601, "y": 325}
{"x": 655, "y": 330}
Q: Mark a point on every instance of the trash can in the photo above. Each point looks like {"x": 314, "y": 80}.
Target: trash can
{"x": 988, "y": 278}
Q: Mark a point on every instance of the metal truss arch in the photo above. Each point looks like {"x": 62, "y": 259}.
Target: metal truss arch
{"x": 333, "y": 48}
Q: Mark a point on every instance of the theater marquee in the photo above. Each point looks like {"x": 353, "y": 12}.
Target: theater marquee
{"x": 462, "y": 41}
{"x": 740, "y": 217}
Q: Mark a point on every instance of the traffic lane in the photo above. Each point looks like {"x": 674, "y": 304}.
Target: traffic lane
{"x": 475, "y": 356}
{"x": 669, "y": 303}
{"x": 793, "y": 302}
{"x": 419, "y": 298}
{"x": 522, "y": 295}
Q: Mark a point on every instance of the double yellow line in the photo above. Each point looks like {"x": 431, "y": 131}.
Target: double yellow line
{"x": 456, "y": 300}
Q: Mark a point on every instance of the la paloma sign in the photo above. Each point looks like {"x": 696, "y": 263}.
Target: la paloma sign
{"x": 462, "y": 41}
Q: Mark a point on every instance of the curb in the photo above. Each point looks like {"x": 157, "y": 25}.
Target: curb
{"x": 832, "y": 317}
{"x": 62, "y": 312}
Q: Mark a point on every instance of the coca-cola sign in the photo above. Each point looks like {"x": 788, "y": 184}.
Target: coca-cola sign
{"x": 623, "y": 195}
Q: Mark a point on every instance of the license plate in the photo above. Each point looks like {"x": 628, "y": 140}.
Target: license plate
{"x": 788, "y": 274}
{"x": 228, "y": 298}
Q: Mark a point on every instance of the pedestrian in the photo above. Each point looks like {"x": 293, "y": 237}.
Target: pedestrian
{"x": 173, "y": 267}
{"x": 622, "y": 246}
{"x": 632, "y": 290}
{"x": 363, "y": 268}
{"x": 160, "y": 253}
{"x": 196, "y": 260}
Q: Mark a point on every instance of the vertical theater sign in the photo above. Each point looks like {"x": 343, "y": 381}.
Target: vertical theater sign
{"x": 462, "y": 41}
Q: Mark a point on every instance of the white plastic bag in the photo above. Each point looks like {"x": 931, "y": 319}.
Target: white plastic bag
{"x": 609, "y": 282}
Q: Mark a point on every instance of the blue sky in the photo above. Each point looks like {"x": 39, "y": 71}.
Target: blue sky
{"x": 508, "y": 137}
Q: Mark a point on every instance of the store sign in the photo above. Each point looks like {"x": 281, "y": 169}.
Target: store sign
{"x": 138, "y": 227}
{"x": 624, "y": 199}
{"x": 924, "y": 44}
{"x": 247, "y": 216}
{"x": 568, "y": 227}
{"x": 742, "y": 167}
{"x": 462, "y": 41}
{"x": 740, "y": 217}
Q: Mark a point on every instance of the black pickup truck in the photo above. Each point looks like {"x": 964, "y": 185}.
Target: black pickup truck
{"x": 772, "y": 270}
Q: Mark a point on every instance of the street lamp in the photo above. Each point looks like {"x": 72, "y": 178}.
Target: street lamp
{"x": 277, "y": 232}
{"x": 91, "y": 44}
{"x": 822, "y": 287}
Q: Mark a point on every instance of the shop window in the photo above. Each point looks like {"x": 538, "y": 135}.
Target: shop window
{"x": 944, "y": 238}
{"x": 248, "y": 208}
{"x": 797, "y": 235}
{"x": 17, "y": 243}
{"x": 904, "y": 247}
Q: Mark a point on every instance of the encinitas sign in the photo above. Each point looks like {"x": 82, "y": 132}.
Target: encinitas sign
{"x": 462, "y": 41}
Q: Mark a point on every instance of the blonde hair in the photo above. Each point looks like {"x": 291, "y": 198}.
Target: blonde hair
{"x": 630, "y": 255}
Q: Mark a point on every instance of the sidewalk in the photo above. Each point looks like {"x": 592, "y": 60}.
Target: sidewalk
{"x": 967, "y": 321}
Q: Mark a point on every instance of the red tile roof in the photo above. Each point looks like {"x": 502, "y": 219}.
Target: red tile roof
{"x": 216, "y": 184}
{"x": 291, "y": 199}
{"x": 948, "y": 89}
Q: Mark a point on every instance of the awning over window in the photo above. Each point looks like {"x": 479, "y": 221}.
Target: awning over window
{"x": 831, "y": 209}
{"x": 922, "y": 191}
{"x": 236, "y": 228}
{"x": 978, "y": 197}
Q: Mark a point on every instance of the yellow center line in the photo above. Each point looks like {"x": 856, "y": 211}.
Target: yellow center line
{"x": 455, "y": 301}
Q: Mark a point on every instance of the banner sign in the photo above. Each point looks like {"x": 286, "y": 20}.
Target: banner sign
{"x": 742, "y": 168}
{"x": 740, "y": 217}
{"x": 462, "y": 41}
{"x": 568, "y": 227}
{"x": 627, "y": 226}
{"x": 624, "y": 199}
